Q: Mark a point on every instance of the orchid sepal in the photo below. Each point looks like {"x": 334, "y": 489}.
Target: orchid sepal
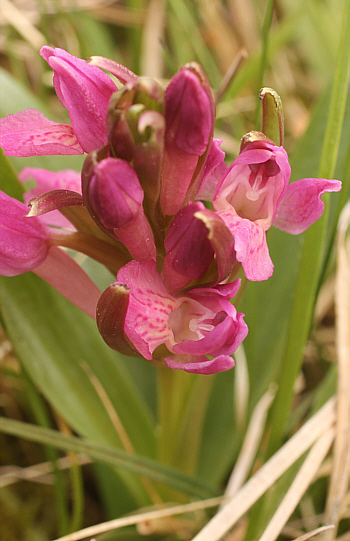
{"x": 110, "y": 317}
{"x": 54, "y": 200}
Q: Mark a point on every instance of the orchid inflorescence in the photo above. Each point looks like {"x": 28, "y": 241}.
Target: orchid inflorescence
{"x": 138, "y": 208}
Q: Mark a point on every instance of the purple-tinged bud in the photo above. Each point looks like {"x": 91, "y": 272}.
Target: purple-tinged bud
{"x": 188, "y": 249}
{"x": 189, "y": 117}
{"x": 115, "y": 193}
{"x": 113, "y": 196}
{"x": 199, "y": 247}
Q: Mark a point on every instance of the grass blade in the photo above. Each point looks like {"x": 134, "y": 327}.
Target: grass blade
{"x": 108, "y": 455}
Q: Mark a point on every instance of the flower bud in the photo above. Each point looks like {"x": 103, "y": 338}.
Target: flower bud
{"x": 110, "y": 318}
{"x": 113, "y": 195}
{"x": 199, "y": 247}
{"x": 123, "y": 115}
{"x": 272, "y": 115}
{"x": 189, "y": 118}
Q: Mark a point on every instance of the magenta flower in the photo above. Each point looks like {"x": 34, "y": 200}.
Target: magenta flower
{"x": 25, "y": 245}
{"x": 196, "y": 332}
{"x": 255, "y": 194}
{"x": 84, "y": 90}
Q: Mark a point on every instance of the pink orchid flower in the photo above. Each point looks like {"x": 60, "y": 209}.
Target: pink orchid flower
{"x": 25, "y": 245}
{"x": 84, "y": 90}
{"x": 196, "y": 332}
{"x": 255, "y": 194}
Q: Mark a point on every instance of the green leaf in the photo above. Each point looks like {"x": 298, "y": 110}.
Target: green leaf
{"x": 9, "y": 182}
{"x": 60, "y": 348}
{"x": 108, "y": 455}
{"x": 55, "y": 342}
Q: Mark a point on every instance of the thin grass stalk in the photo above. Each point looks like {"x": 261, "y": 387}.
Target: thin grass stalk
{"x": 312, "y": 254}
{"x": 42, "y": 418}
{"x": 302, "y": 481}
{"x": 250, "y": 444}
{"x": 341, "y": 460}
{"x": 264, "y": 56}
{"x": 108, "y": 455}
{"x": 268, "y": 474}
{"x": 115, "y": 524}
{"x": 312, "y": 534}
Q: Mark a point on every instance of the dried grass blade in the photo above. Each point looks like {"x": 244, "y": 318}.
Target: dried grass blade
{"x": 250, "y": 444}
{"x": 152, "y": 38}
{"x": 139, "y": 518}
{"x": 299, "y": 486}
{"x": 341, "y": 464}
{"x": 309, "y": 535}
{"x": 268, "y": 474}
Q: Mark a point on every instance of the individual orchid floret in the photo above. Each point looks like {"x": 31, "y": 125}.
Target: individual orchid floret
{"x": 25, "y": 245}
{"x": 46, "y": 181}
{"x": 199, "y": 249}
{"x": 254, "y": 194}
{"x": 84, "y": 90}
{"x": 196, "y": 332}
{"x": 113, "y": 195}
{"x": 189, "y": 121}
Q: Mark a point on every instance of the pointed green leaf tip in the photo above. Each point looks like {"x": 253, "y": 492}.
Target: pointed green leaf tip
{"x": 272, "y": 115}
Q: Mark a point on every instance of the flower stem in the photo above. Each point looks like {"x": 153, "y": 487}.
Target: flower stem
{"x": 103, "y": 252}
{"x": 174, "y": 389}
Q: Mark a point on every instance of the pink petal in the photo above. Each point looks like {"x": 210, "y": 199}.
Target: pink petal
{"x": 123, "y": 74}
{"x": 69, "y": 279}
{"x": 200, "y": 365}
{"x": 24, "y": 241}
{"x": 84, "y": 90}
{"x": 301, "y": 204}
{"x": 30, "y": 133}
{"x": 214, "y": 170}
{"x": 208, "y": 345}
{"x": 250, "y": 246}
{"x": 188, "y": 249}
{"x": 150, "y": 304}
